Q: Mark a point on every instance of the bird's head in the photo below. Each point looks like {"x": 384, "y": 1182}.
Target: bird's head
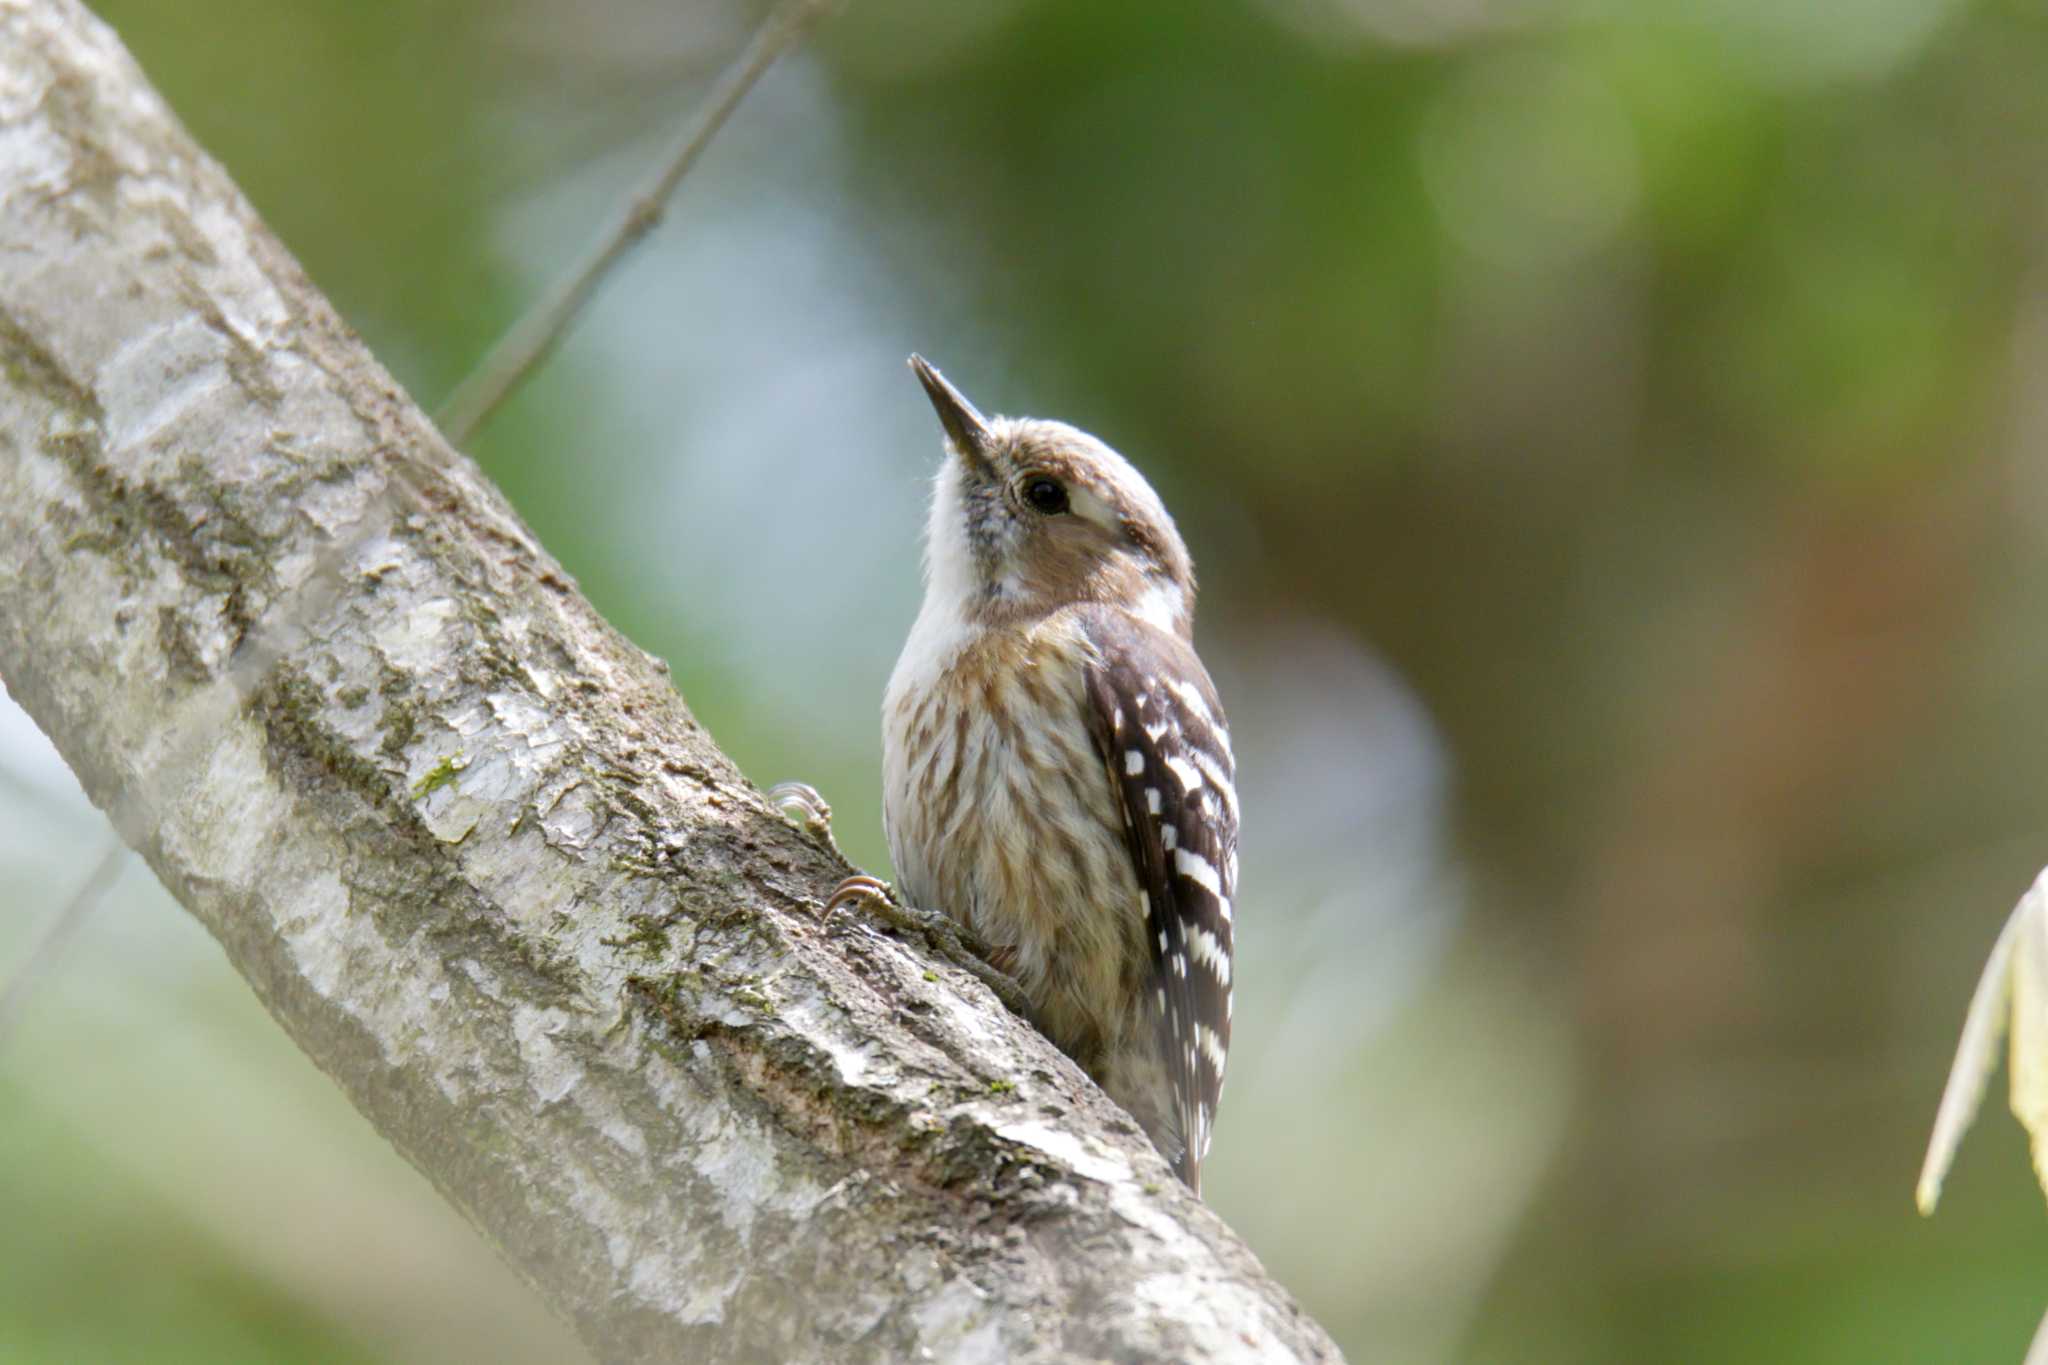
{"x": 1029, "y": 516}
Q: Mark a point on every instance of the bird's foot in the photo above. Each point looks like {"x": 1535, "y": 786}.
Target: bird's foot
{"x": 940, "y": 933}
{"x": 801, "y": 803}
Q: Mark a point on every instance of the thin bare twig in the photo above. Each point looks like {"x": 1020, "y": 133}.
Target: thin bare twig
{"x": 704, "y": 1055}
{"x": 500, "y": 372}
{"x": 535, "y": 334}
{"x": 14, "y": 995}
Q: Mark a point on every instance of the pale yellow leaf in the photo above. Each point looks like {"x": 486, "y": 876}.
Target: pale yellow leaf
{"x": 2029, "y": 1047}
{"x": 1977, "y": 1053}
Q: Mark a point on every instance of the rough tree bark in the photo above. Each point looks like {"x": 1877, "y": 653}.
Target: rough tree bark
{"x": 472, "y": 851}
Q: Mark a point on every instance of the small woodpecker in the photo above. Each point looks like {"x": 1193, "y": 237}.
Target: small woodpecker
{"x": 1057, "y": 774}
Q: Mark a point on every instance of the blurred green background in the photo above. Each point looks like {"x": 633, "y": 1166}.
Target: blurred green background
{"x": 1615, "y": 443}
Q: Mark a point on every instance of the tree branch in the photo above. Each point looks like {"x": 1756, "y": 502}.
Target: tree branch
{"x": 536, "y": 333}
{"x": 471, "y": 850}
{"x": 50, "y": 945}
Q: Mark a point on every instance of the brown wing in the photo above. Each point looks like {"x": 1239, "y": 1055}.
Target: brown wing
{"x": 1161, "y": 732}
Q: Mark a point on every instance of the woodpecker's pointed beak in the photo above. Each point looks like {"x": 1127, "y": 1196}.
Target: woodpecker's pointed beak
{"x": 966, "y": 428}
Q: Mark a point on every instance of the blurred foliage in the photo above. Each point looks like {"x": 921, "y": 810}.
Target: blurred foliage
{"x": 177, "y": 1296}
{"x": 1649, "y": 400}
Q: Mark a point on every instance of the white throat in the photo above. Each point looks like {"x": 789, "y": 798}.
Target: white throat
{"x": 952, "y": 582}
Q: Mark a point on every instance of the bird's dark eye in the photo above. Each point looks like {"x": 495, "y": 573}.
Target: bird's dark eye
{"x": 1046, "y": 495}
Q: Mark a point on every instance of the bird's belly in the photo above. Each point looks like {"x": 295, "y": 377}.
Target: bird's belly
{"x": 1003, "y": 816}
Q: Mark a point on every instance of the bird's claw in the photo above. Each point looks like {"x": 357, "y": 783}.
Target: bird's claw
{"x": 860, "y": 887}
{"x": 940, "y": 933}
{"x": 802, "y": 803}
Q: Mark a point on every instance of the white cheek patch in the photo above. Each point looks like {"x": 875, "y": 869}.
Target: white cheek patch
{"x": 1161, "y": 605}
{"x": 1085, "y": 504}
